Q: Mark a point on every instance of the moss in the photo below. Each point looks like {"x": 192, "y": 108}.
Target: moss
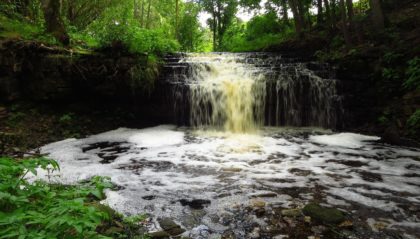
{"x": 323, "y": 214}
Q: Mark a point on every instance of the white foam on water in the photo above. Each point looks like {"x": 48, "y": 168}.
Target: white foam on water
{"x": 156, "y": 167}
{"x": 348, "y": 140}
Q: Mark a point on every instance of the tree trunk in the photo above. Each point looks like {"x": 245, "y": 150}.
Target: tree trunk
{"x": 343, "y": 25}
{"x": 320, "y": 17}
{"x": 135, "y": 9}
{"x": 142, "y": 14}
{"x": 328, "y": 13}
{"x": 214, "y": 26}
{"x": 176, "y": 17}
{"x": 149, "y": 7}
{"x": 302, "y": 12}
{"x": 350, "y": 12}
{"x": 377, "y": 15}
{"x": 284, "y": 13}
{"x": 54, "y": 23}
{"x": 333, "y": 14}
{"x": 296, "y": 18}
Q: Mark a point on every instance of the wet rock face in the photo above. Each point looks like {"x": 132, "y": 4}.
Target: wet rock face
{"x": 32, "y": 71}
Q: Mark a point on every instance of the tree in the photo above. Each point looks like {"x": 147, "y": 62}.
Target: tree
{"x": 328, "y": 13}
{"x": 149, "y": 9}
{"x": 377, "y": 15}
{"x": 176, "y": 16}
{"x": 350, "y": 12}
{"x": 223, "y": 12}
{"x": 344, "y": 25}
{"x": 53, "y": 21}
{"x": 320, "y": 15}
{"x": 190, "y": 34}
{"x": 284, "y": 11}
{"x": 81, "y": 13}
{"x": 297, "y": 17}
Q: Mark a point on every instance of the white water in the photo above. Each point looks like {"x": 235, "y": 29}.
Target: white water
{"x": 225, "y": 93}
{"x": 157, "y": 167}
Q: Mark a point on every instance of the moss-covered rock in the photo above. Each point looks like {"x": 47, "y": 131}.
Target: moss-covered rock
{"x": 324, "y": 215}
{"x": 170, "y": 226}
{"x": 159, "y": 235}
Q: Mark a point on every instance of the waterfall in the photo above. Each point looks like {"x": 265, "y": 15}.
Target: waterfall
{"x": 240, "y": 92}
{"x": 225, "y": 93}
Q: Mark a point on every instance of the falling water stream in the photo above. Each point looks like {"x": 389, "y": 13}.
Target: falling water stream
{"x": 257, "y": 140}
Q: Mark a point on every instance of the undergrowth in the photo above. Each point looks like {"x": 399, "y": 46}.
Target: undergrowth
{"x": 44, "y": 210}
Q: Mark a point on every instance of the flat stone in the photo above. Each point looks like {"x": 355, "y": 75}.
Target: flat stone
{"x": 159, "y": 235}
{"x": 257, "y": 203}
{"x": 232, "y": 169}
{"x": 295, "y": 212}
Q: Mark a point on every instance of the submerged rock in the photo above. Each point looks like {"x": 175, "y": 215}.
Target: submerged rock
{"x": 323, "y": 214}
{"x": 159, "y": 235}
{"x": 195, "y": 203}
{"x": 169, "y": 226}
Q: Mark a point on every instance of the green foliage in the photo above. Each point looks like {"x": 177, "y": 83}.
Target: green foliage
{"x": 22, "y": 29}
{"x": 143, "y": 78}
{"x": 66, "y": 118}
{"x": 267, "y": 24}
{"x": 413, "y": 74}
{"x": 383, "y": 120}
{"x": 390, "y": 74}
{"x": 41, "y": 210}
{"x": 191, "y": 36}
{"x": 257, "y": 34}
{"x": 386, "y": 117}
{"x": 391, "y": 57}
{"x": 15, "y": 118}
{"x": 117, "y": 25}
{"x": 413, "y": 123}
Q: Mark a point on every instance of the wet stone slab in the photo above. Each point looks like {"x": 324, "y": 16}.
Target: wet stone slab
{"x": 218, "y": 185}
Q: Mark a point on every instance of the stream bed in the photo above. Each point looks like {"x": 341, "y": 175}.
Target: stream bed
{"x": 223, "y": 185}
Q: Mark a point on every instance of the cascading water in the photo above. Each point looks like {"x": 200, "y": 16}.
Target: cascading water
{"x": 225, "y": 93}
{"x": 240, "y": 92}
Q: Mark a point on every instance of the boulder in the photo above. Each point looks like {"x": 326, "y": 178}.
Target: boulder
{"x": 324, "y": 215}
{"x": 169, "y": 226}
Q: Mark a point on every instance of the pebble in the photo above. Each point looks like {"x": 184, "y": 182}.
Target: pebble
{"x": 291, "y": 212}
{"x": 257, "y": 203}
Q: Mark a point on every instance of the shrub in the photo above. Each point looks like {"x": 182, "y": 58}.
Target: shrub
{"x": 413, "y": 123}
{"x": 413, "y": 74}
{"x": 41, "y": 210}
